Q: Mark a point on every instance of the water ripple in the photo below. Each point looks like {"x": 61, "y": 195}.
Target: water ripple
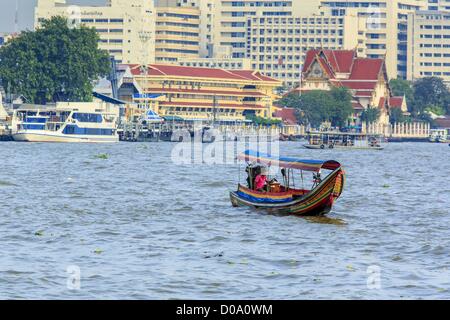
{"x": 139, "y": 227}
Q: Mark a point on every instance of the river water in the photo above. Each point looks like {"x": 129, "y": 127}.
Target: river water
{"x": 134, "y": 225}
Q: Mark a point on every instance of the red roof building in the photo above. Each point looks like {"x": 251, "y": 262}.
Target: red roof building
{"x": 365, "y": 78}
{"x": 287, "y": 115}
{"x": 443, "y": 123}
{"x": 200, "y": 94}
{"x": 398, "y": 102}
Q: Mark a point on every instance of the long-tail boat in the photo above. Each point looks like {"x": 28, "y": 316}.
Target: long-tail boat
{"x": 285, "y": 198}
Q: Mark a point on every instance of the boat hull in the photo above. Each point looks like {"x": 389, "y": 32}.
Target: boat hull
{"x": 318, "y": 201}
{"x": 316, "y": 147}
{"x": 55, "y": 137}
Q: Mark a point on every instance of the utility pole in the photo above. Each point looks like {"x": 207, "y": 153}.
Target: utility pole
{"x": 214, "y": 109}
{"x": 16, "y": 18}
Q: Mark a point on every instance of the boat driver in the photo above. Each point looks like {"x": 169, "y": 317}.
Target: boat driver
{"x": 261, "y": 180}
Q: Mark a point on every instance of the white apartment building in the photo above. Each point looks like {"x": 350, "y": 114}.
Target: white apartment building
{"x": 216, "y": 63}
{"x": 429, "y": 45}
{"x": 439, "y": 5}
{"x": 126, "y": 27}
{"x": 224, "y": 22}
{"x": 387, "y": 27}
{"x": 177, "y": 34}
{"x": 278, "y": 45}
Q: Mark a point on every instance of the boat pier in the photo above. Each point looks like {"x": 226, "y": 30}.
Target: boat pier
{"x": 5, "y": 134}
{"x": 175, "y": 132}
{"x": 400, "y": 132}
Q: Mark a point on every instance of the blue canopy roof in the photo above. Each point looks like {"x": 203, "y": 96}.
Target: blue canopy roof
{"x": 287, "y": 162}
{"x": 152, "y": 116}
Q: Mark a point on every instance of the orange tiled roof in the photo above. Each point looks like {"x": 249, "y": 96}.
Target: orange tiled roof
{"x": 196, "y": 72}
{"x": 396, "y": 102}
{"x": 213, "y": 92}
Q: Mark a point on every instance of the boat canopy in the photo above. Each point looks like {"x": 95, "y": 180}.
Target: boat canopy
{"x": 286, "y": 162}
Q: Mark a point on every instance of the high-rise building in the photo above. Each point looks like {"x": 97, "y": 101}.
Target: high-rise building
{"x": 429, "y": 45}
{"x": 439, "y": 5}
{"x": 177, "y": 34}
{"x": 387, "y": 28}
{"x": 224, "y": 22}
{"x": 126, "y": 27}
{"x": 278, "y": 45}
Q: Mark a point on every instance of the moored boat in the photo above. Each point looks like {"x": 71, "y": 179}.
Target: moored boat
{"x": 286, "y": 198}
{"x": 438, "y": 136}
{"x": 343, "y": 140}
{"x": 65, "y": 122}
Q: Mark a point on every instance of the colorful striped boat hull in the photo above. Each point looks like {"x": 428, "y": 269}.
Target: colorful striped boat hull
{"x": 318, "y": 201}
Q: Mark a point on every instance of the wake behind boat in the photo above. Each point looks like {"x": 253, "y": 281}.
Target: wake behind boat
{"x": 286, "y": 198}
{"x": 66, "y": 122}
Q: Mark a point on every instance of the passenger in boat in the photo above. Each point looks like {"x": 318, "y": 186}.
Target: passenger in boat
{"x": 261, "y": 180}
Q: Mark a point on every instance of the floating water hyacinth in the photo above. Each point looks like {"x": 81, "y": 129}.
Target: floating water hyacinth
{"x": 386, "y": 186}
{"x": 39, "y": 233}
{"x": 103, "y": 156}
{"x": 98, "y": 251}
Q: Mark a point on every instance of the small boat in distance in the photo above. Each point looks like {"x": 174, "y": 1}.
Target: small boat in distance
{"x": 66, "y": 122}
{"x": 438, "y": 136}
{"x": 344, "y": 140}
{"x": 286, "y": 198}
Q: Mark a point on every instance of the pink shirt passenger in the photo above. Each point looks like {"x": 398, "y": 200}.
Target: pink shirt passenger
{"x": 260, "y": 181}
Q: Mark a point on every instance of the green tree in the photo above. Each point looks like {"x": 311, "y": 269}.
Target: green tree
{"x": 262, "y": 121}
{"x": 291, "y": 100}
{"x": 53, "y": 63}
{"x": 430, "y": 91}
{"x": 341, "y": 108}
{"x": 400, "y": 88}
{"x": 315, "y": 107}
{"x": 370, "y": 115}
{"x": 397, "y": 116}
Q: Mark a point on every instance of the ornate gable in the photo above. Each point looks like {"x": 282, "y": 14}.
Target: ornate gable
{"x": 316, "y": 72}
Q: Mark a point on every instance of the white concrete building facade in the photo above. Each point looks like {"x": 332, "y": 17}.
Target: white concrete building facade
{"x": 429, "y": 45}
{"x": 387, "y": 27}
{"x": 278, "y": 45}
{"x": 126, "y": 27}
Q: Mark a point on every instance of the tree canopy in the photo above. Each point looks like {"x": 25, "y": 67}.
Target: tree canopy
{"x": 53, "y": 63}
{"x": 318, "y": 106}
{"x": 431, "y": 94}
{"x": 396, "y": 116}
{"x": 370, "y": 115}
{"x": 262, "y": 121}
{"x": 400, "y": 88}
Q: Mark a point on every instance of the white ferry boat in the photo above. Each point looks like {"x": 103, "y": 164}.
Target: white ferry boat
{"x": 342, "y": 140}
{"x": 438, "y": 135}
{"x": 66, "y": 122}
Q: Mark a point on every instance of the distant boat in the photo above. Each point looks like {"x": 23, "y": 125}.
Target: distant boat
{"x": 438, "y": 135}
{"x": 65, "y": 122}
{"x": 285, "y": 198}
{"x": 344, "y": 140}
